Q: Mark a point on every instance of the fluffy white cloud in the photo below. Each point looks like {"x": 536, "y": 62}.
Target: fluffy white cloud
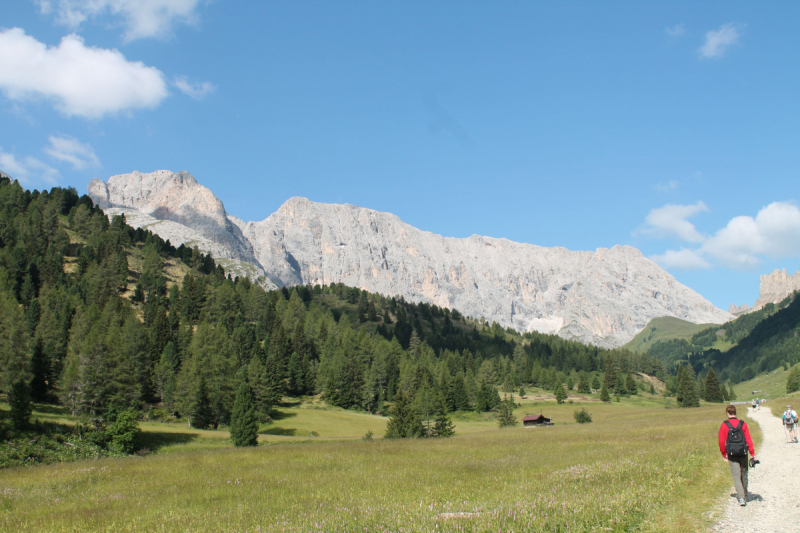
{"x": 141, "y": 18}
{"x": 677, "y": 30}
{"x": 717, "y": 41}
{"x": 682, "y": 259}
{"x": 198, "y": 91}
{"x": 774, "y": 232}
{"x": 670, "y": 221}
{"x": 79, "y": 80}
{"x": 72, "y": 151}
{"x": 28, "y": 170}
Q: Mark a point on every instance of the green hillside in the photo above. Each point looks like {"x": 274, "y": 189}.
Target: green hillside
{"x": 663, "y": 329}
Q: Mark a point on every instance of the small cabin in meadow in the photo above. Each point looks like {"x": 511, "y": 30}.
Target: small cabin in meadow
{"x": 536, "y": 420}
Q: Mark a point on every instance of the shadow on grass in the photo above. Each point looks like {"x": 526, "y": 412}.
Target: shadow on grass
{"x": 50, "y": 409}
{"x": 284, "y": 432}
{"x": 154, "y": 440}
{"x": 280, "y": 415}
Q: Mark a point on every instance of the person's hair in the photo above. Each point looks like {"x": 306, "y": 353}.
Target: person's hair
{"x": 731, "y": 410}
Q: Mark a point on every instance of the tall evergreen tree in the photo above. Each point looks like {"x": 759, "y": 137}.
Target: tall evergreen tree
{"x": 712, "y": 389}
{"x": 244, "y": 424}
{"x": 596, "y": 385}
{"x": 610, "y": 378}
{"x": 561, "y": 394}
{"x": 604, "y": 395}
{"x": 202, "y": 416}
{"x": 583, "y": 383}
{"x": 687, "y": 388}
{"x": 630, "y": 385}
{"x": 20, "y": 402}
{"x": 443, "y": 426}
{"x": 620, "y": 389}
{"x": 403, "y": 422}
{"x": 505, "y": 412}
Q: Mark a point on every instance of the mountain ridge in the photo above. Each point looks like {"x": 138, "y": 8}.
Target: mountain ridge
{"x": 603, "y": 297}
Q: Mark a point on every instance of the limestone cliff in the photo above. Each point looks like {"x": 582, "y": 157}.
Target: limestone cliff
{"x": 603, "y": 297}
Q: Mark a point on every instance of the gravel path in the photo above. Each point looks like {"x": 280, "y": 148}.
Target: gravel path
{"x": 774, "y": 485}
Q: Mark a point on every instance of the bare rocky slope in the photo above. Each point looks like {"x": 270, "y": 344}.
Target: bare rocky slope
{"x": 603, "y": 297}
{"x": 775, "y": 287}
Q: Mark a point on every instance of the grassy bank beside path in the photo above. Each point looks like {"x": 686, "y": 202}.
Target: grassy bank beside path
{"x": 645, "y": 469}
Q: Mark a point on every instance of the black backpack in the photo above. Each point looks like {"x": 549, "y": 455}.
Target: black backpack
{"x": 735, "y": 446}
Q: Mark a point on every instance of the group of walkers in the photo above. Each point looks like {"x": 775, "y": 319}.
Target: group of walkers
{"x": 735, "y": 443}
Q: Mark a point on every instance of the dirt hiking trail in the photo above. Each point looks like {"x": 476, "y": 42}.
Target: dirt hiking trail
{"x": 774, "y": 485}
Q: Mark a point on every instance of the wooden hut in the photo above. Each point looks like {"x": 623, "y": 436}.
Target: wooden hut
{"x": 536, "y": 420}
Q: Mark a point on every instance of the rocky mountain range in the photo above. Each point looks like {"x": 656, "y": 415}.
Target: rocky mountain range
{"x": 775, "y": 287}
{"x": 603, "y": 297}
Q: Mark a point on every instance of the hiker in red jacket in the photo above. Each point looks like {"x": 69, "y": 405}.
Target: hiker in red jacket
{"x": 734, "y": 443}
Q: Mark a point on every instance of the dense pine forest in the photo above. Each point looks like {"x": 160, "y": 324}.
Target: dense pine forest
{"x": 113, "y": 322}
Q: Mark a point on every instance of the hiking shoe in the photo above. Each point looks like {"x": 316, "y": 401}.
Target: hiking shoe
{"x": 742, "y": 502}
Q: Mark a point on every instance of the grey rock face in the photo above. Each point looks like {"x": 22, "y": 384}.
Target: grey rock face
{"x": 776, "y": 286}
{"x": 603, "y": 297}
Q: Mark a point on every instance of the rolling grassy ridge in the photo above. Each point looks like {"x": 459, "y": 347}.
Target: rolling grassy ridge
{"x": 637, "y": 467}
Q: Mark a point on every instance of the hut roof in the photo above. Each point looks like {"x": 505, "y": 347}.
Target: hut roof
{"x": 535, "y": 418}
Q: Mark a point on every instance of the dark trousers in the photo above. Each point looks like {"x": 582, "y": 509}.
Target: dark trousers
{"x": 739, "y": 472}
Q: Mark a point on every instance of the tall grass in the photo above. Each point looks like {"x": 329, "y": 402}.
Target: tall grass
{"x": 645, "y": 469}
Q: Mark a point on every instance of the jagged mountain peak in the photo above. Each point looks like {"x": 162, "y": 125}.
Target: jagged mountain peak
{"x": 603, "y": 297}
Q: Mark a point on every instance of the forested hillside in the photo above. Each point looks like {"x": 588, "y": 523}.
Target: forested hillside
{"x": 107, "y": 319}
{"x": 755, "y": 342}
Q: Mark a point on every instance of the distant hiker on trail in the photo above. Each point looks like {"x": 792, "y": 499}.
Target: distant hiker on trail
{"x": 734, "y": 443}
{"x": 755, "y": 404}
{"x": 790, "y": 424}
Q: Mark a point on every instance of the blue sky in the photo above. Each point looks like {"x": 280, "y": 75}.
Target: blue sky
{"x": 668, "y": 126}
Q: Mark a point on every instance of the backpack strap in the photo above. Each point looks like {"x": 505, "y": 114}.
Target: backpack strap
{"x": 728, "y": 423}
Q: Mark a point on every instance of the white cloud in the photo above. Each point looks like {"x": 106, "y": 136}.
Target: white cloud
{"x": 28, "y": 170}
{"x": 774, "y": 232}
{"x": 79, "y": 80}
{"x": 678, "y": 30}
{"x": 717, "y": 41}
{"x": 141, "y": 18}
{"x": 198, "y": 91}
{"x": 682, "y": 259}
{"x": 671, "y": 185}
{"x": 72, "y": 151}
{"x": 670, "y": 221}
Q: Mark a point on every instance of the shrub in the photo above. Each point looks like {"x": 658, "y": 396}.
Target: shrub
{"x": 123, "y": 432}
{"x": 582, "y": 416}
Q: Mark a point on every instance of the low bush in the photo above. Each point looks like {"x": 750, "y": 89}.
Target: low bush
{"x": 582, "y": 416}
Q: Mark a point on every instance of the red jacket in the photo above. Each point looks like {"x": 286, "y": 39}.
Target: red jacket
{"x": 723, "y": 435}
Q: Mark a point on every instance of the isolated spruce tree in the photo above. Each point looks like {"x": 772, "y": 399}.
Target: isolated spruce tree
{"x": 561, "y": 395}
{"x": 505, "y": 413}
{"x": 604, "y": 395}
{"x": 443, "y": 426}
{"x": 244, "y": 423}
{"x": 596, "y": 385}
{"x": 521, "y": 392}
{"x": 713, "y": 393}
{"x": 630, "y": 384}
{"x": 20, "y": 402}
{"x": 687, "y": 388}
{"x": 731, "y": 393}
{"x": 652, "y": 389}
{"x": 570, "y": 383}
{"x": 202, "y": 416}
{"x": 404, "y": 421}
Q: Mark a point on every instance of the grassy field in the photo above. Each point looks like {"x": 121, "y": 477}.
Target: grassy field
{"x": 664, "y": 328}
{"x": 769, "y": 385}
{"x": 637, "y": 467}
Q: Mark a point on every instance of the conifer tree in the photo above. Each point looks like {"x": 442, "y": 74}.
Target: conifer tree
{"x": 443, "y": 426}
{"x": 596, "y": 385}
{"x": 687, "y": 388}
{"x": 630, "y": 384}
{"x": 583, "y": 383}
{"x": 202, "y": 416}
{"x": 505, "y": 413}
{"x": 561, "y": 394}
{"x": 731, "y": 393}
{"x": 40, "y": 369}
{"x": 712, "y": 391}
{"x": 793, "y": 382}
{"x": 244, "y": 424}
{"x": 570, "y": 383}
{"x": 620, "y": 389}
{"x": 403, "y": 420}
{"x": 610, "y": 378}
{"x": 652, "y": 389}
{"x": 20, "y": 402}
{"x": 604, "y": 395}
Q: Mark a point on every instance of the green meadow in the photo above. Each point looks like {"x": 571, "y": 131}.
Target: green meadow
{"x": 637, "y": 467}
